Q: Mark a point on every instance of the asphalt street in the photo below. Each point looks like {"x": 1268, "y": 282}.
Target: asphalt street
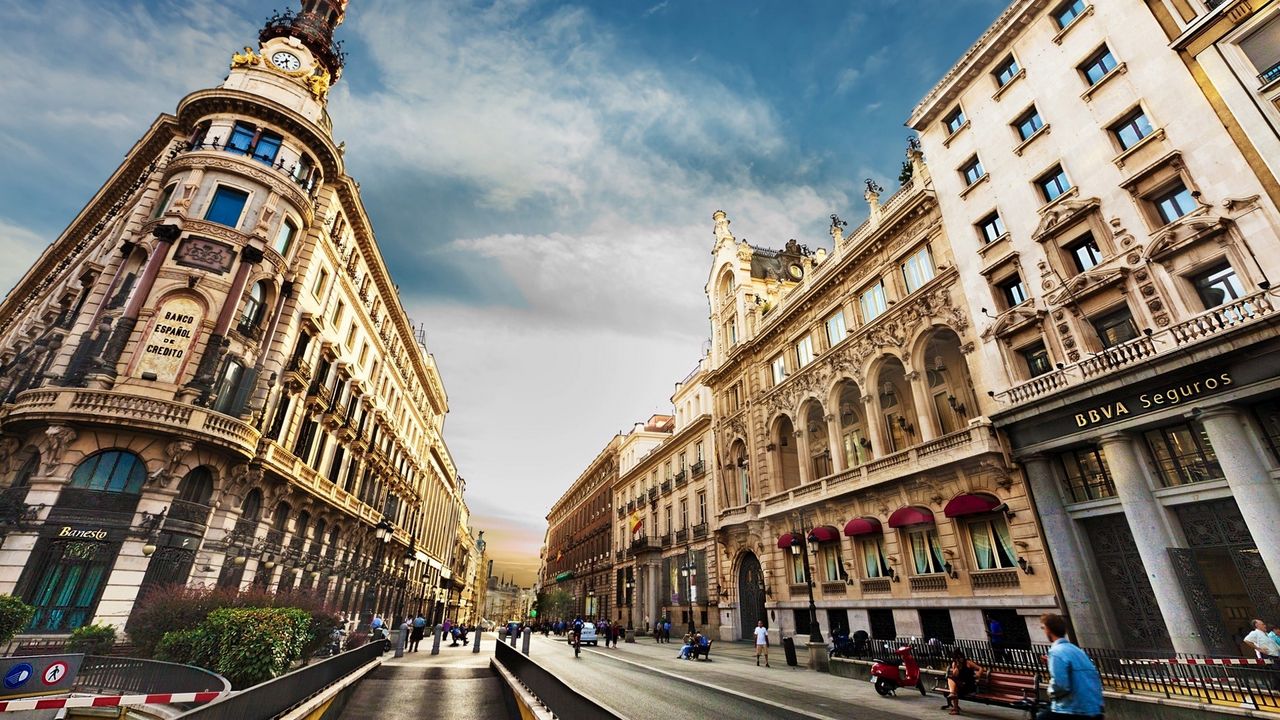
{"x": 637, "y": 683}
{"x": 454, "y": 684}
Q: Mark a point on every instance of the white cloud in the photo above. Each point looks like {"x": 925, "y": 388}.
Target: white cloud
{"x": 18, "y": 242}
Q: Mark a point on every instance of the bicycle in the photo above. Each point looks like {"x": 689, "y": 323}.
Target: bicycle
{"x": 577, "y": 644}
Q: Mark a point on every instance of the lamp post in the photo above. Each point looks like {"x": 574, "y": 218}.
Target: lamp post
{"x": 800, "y": 543}
{"x": 689, "y": 571}
{"x": 631, "y": 586}
{"x": 591, "y": 604}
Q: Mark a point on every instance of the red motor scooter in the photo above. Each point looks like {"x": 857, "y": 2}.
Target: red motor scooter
{"x": 888, "y": 676}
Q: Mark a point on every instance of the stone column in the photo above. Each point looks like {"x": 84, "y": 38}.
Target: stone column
{"x": 1152, "y": 533}
{"x": 802, "y": 455}
{"x": 651, "y": 593}
{"x": 1067, "y": 555}
{"x": 875, "y": 425}
{"x": 166, "y": 236}
{"x": 926, "y": 423}
{"x": 1250, "y": 479}
{"x": 835, "y": 444}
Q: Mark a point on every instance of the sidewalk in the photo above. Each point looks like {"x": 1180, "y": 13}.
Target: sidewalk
{"x": 733, "y": 668}
{"x": 455, "y": 683}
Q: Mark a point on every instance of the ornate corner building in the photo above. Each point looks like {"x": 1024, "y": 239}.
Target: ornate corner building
{"x": 208, "y": 378}
{"x": 1114, "y": 225}
{"x": 855, "y": 464}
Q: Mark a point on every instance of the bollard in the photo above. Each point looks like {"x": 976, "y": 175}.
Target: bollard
{"x": 528, "y": 633}
{"x": 402, "y": 638}
{"x": 511, "y": 638}
{"x": 476, "y": 645}
{"x": 435, "y": 644}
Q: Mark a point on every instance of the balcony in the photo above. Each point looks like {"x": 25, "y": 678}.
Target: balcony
{"x": 302, "y": 476}
{"x": 644, "y": 542}
{"x": 928, "y": 583}
{"x": 682, "y": 535}
{"x": 969, "y": 442}
{"x": 653, "y": 494}
{"x": 297, "y": 374}
{"x": 631, "y": 505}
{"x": 994, "y": 579}
{"x": 188, "y": 512}
{"x": 833, "y": 588}
{"x": 681, "y": 478}
{"x": 698, "y": 468}
{"x": 876, "y": 585}
{"x": 113, "y": 409}
{"x": 319, "y": 398}
{"x": 1249, "y": 311}
{"x": 798, "y": 590}
{"x": 666, "y": 540}
{"x": 666, "y": 487}
{"x": 700, "y": 530}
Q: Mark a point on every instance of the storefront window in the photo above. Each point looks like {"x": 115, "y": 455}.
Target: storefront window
{"x": 1183, "y": 455}
{"x": 992, "y": 545}
{"x": 831, "y": 563}
{"x": 1088, "y": 477}
{"x": 926, "y": 551}
{"x": 873, "y": 560}
{"x": 797, "y": 569}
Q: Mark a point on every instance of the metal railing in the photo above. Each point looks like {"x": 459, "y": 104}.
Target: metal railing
{"x": 102, "y": 675}
{"x": 1183, "y": 676}
{"x": 562, "y": 700}
{"x": 275, "y": 696}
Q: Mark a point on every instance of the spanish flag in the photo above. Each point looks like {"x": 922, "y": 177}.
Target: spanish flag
{"x": 559, "y": 554}
{"x": 637, "y": 522}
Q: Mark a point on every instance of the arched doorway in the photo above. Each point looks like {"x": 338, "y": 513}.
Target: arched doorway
{"x": 750, "y": 596}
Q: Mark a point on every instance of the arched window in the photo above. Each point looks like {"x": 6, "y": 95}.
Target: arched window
{"x": 197, "y": 486}
{"x": 251, "y": 508}
{"x": 28, "y": 469}
{"x": 114, "y": 471}
{"x": 254, "y": 306}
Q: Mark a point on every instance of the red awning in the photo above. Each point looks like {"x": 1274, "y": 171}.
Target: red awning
{"x": 910, "y": 515}
{"x": 825, "y": 533}
{"x": 967, "y": 504}
{"x": 786, "y": 540}
{"x": 862, "y": 526}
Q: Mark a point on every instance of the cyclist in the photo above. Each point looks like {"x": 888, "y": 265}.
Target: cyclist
{"x": 576, "y": 635}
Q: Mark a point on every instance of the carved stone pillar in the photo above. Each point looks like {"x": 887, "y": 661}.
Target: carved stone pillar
{"x": 165, "y": 235}
{"x": 926, "y": 423}
{"x": 802, "y": 456}
{"x": 875, "y": 425}
{"x": 835, "y": 445}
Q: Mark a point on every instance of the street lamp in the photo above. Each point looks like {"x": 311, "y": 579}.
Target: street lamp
{"x": 689, "y": 570}
{"x": 800, "y": 542}
{"x": 384, "y": 530}
{"x": 591, "y": 603}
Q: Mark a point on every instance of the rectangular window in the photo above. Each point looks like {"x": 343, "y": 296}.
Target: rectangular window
{"x": 1218, "y": 285}
{"x": 1087, "y": 474}
{"x": 804, "y": 351}
{"x": 267, "y": 147}
{"x": 954, "y": 121}
{"x": 697, "y": 452}
{"x": 991, "y": 543}
{"x": 972, "y": 170}
{"x": 833, "y": 568}
{"x": 873, "y": 560}
{"x": 702, "y": 508}
{"x": 322, "y": 281}
{"x": 1012, "y": 291}
{"x": 666, "y": 470}
{"x": 241, "y": 140}
{"x": 918, "y": 269}
{"x": 1053, "y": 183}
{"x": 682, "y": 462}
{"x": 227, "y": 206}
{"x": 666, "y": 511}
{"x": 1005, "y": 72}
{"x": 1132, "y": 128}
{"x": 1067, "y": 12}
{"x": 836, "y": 330}
{"x": 779, "y": 368}
{"x": 1084, "y": 252}
{"x": 226, "y": 389}
{"x": 1037, "y": 359}
{"x": 162, "y": 203}
{"x": 1183, "y": 455}
{"x": 284, "y": 238}
{"x": 351, "y": 336}
{"x": 873, "y": 302}
{"x": 364, "y": 352}
{"x": 337, "y": 313}
{"x": 991, "y": 228}
{"x": 1029, "y": 123}
{"x": 1115, "y": 328}
{"x": 731, "y": 331}
{"x": 1098, "y": 65}
{"x": 797, "y": 569}
{"x": 1174, "y": 203}
{"x": 926, "y": 551}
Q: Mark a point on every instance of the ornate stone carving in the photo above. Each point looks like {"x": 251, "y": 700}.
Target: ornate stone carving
{"x": 174, "y": 453}
{"x": 54, "y": 444}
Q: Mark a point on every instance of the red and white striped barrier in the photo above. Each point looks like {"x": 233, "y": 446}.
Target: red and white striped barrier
{"x": 107, "y": 701}
{"x": 1201, "y": 661}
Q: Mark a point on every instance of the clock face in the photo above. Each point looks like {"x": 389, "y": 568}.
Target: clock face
{"x": 286, "y": 61}
{"x": 796, "y": 271}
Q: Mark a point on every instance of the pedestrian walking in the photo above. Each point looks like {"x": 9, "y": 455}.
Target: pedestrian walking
{"x": 1075, "y": 686}
{"x": 666, "y": 631}
{"x": 419, "y": 630}
{"x": 762, "y": 643}
{"x": 995, "y": 633}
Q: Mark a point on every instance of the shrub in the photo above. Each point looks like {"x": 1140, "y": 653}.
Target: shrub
{"x": 256, "y": 644}
{"x": 14, "y": 616}
{"x": 92, "y": 639}
{"x": 189, "y": 647}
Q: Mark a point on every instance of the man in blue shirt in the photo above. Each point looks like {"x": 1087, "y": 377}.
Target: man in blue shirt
{"x": 1074, "y": 683}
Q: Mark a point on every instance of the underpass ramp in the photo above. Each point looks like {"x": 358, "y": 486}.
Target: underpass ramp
{"x": 396, "y": 692}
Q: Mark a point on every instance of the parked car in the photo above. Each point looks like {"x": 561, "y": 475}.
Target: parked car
{"x": 588, "y": 634}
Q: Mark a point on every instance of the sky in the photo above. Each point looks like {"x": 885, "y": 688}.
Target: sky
{"x": 540, "y": 175}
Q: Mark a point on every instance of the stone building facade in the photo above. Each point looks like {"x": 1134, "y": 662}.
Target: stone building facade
{"x": 1115, "y": 243}
{"x": 579, "y": 554}
{"x": 208, "y": 378}
{"x": 849, "y": 426}
{"x": 666, "y": 503}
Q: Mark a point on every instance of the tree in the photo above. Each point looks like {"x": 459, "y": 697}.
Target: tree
{"x": 554, "y": 604}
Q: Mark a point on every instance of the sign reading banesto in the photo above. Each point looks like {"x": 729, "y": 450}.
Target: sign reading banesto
{"x": 1163, "y": 397}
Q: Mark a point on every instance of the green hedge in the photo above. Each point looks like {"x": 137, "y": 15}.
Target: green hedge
{"x": 92, "y": 639}
{"x": 14, "y": 616}
{"x": 245, "y": 645}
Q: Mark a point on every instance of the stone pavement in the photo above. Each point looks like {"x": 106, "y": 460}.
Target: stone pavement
{"x": 733, "y": 668}
{"x": 457, "y": 683}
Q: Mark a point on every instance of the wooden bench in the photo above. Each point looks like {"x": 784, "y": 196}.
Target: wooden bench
{"x": 705, "y": 652}
{"x": 1003, "y": 689}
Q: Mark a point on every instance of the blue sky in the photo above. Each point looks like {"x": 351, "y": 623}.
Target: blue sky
{"x": 541, "y": 175}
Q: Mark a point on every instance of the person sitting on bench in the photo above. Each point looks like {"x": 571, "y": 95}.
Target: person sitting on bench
{"x": 962, "y": 679}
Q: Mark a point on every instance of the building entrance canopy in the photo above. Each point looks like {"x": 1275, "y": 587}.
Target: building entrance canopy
{"x": 970, "y": 504}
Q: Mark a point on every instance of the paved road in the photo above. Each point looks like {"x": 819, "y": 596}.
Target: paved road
{"x": 454, "y": 684}
{"x": 639, "y": 686}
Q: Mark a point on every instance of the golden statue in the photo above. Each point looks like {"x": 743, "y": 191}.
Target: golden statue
{"x": 246, "y": 59}
{"x": 319, "y": 84}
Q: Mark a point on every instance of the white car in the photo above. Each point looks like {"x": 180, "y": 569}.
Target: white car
{"x": 588, "y": 634}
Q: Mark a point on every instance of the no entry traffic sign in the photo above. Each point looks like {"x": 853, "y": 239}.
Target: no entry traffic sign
{"x": 55, "y": 672}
